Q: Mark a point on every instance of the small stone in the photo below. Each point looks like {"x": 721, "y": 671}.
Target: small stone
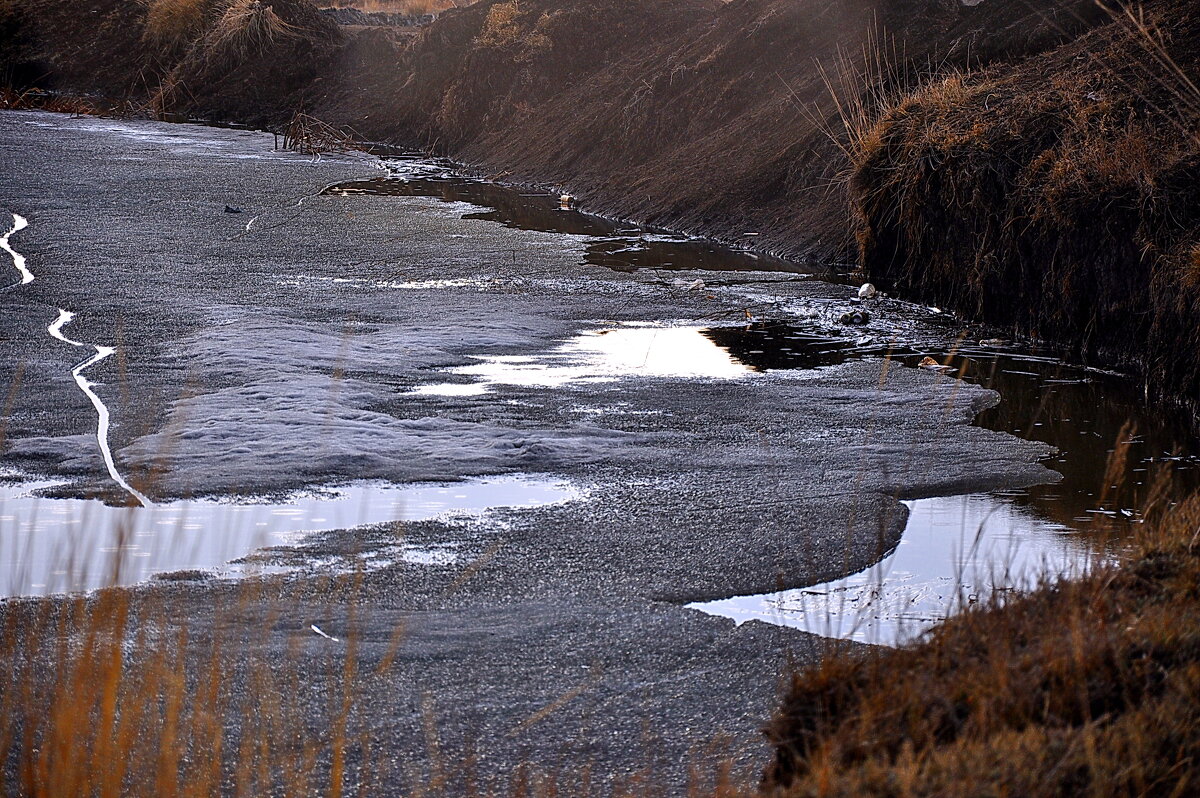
{"x": 855, "y": 317}
{"x": 932, "y": 365}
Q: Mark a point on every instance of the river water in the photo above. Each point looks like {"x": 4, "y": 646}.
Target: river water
{"x": 955, "y": 550}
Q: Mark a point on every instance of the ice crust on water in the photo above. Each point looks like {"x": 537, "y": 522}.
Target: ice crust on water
{"x": 310, "y": 427}
{"x": 261, "y": 345}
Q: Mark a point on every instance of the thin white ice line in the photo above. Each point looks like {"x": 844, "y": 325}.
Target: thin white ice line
{"x": 19, "y": 223}
{"x": 317, "y": 629}
{"x": 55, "y": 329}
{"x": 86, "y": 385}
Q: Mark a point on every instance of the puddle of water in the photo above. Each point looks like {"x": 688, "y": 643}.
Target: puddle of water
{"x": 1051, "y": 529}
{"x": 599, "y": 356}
{"x": 621, "y": 246}
{"x": 58, "y": 545}
{"x": 955, "y": 550}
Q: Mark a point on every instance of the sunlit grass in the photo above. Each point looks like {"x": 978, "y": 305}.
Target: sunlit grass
{"x": 409, "y": 7}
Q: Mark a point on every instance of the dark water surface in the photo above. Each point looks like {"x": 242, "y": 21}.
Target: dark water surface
{"x": 621, "y": 246}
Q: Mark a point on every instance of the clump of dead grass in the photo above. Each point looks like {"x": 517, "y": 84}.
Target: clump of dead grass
{"x": 254, "y": 61}
{"x": 509, "y": 26}
{"x": 309, "y": 135}
{"x": 1082, "y": 687}
{"x": 246, "y": 28}
{"x": 172, "y": 25}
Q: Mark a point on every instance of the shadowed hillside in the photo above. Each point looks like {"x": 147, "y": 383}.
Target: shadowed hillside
{"x": 716, "y": 119}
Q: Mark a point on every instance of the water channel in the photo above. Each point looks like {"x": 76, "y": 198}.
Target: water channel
{"x": 955, "y": 550}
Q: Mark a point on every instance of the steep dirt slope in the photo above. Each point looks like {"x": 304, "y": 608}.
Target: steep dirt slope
{"x": 708, "y": 117}
{"x": 712, "y": 119}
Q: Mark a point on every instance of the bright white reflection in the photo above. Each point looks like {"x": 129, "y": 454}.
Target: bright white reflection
{"x": 955, "y": 550}
{"x": 57, "y": 545}
{"x": 600, "y": 356}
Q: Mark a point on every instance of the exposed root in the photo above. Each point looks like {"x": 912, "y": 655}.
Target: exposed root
{"x": 310, "y": 135}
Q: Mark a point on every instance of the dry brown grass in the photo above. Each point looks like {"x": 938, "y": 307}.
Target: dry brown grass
{"x": 311, "y": 136}
{"x": 245, "y": 28}
{"x": 1056, "y": 197}
{"x": 172, "y": 25}
{"x": 37, "y": 100}
{"x": 33, "y": 100}
{"x": 509, "y": 26}
{"x": 110, "y": 695}
{"x": 105, "y": 697}
{"x": 1090, "y": 687}
{"x": 408, "y": 7}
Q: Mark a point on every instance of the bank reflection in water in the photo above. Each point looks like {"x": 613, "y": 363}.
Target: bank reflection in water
{"x": 955, "y": 551}
{"x": 58, "y": 545}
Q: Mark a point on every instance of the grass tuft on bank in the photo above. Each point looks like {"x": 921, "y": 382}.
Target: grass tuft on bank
{"x": 1058, "y": 196}
{"x": 1085, "y": 687}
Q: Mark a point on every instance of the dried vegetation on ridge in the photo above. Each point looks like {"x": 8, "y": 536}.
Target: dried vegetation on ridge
{"x": 1059, "y": 197}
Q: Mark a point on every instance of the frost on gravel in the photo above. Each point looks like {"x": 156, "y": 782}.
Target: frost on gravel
{"x": 275, "y": 433}
{"x": 263, "y": 345}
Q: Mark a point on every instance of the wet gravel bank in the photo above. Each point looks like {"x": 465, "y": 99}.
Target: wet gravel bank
{"x": 284, "y": 355}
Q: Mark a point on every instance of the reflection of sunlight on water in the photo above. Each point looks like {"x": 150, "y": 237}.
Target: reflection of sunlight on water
{"x": 599, "y": 356}
{"x": 955, "y": 550}
{"x": 55, "y": 545}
